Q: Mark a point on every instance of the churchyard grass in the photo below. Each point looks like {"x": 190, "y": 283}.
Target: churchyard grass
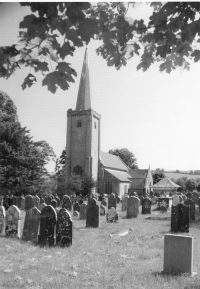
{"x": 98, "y": 258}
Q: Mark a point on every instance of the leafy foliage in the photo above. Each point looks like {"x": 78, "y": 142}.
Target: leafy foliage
{"x": 126, "y": 156}
{"x": 22, "y": 161}
{"x": 158, "y": 175}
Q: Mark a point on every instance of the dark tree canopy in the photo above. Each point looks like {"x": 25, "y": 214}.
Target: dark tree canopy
{"x": 53, "y": 31}
{"x": 158, "y": 175}
{"x": 126, "y": 156}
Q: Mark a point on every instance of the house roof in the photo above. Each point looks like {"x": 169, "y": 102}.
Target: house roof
{"x": 166, "y": 183}
{"x": 112, "y": 162}
{"x": 138, "y": 183}
{"x": 138, "y": 174}
{"x": 121, "y": 176}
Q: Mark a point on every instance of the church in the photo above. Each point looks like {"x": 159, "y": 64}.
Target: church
{"x": 83, "y": 148}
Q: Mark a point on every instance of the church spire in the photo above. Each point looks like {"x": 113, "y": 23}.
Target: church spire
{"x": 83, "y": 99}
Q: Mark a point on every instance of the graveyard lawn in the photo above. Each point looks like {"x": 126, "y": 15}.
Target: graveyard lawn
{"x": 99, "y": 257}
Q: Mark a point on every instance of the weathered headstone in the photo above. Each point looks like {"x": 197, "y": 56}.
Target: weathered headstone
{"x": 13, "y": 222}
{"x": 29, "y": 202}
{"x": 47, "y": 232}
{"x": 54, "y": 203}
{"x": 192, "y": 210}
{"x": 102, "y": 210}
{"x": 83, "y": 209}
{"x": 66, "y": 203}
{"x": 180, "y": 218}
{"x": 76, "y": 207}
{"x": 112, "y": 216}
{"x": 31, "y": 225}
{"x": 92, "y": 214}
{"x": 64, "y": 229}
{"x": 37, "y": 201}
{"x": 146, "y": 206}
{"x": 57, "y": 200}
{"x": 48, "y": 199}
{"x": 2, "y": 220}
{"x": 103, "y": 202}
{"x": 124, "y": 203}
{"x": 112, "y": 201}
{"x": 42, "y": 206}
{"x": 133, "y": 207}
{"x": 178, "y": 254}
{"x": 175, "y": 200}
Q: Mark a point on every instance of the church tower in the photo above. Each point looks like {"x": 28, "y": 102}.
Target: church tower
{"x": 83, "y": 133}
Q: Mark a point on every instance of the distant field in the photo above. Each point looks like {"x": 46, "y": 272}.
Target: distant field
{"x": 176, "y": 176}
{"x": 99, "y": 258}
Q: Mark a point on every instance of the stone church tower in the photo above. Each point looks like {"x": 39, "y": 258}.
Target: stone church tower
{"x": 83, "y": 133}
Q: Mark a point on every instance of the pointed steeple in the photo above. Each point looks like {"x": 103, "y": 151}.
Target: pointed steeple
{"x": 83, "y": 99}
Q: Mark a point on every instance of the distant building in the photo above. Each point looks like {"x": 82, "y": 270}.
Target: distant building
{"x": 83, "y": 155}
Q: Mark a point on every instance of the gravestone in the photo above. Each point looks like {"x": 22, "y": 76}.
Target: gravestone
{"x": 92, "y": 214}
{"x": 133, "y": 207}
{"x": 29, "y": 202}
{"x": 2, "y": 220}
{"x": 175, "y": 200}
{"x": 112, "y": 216}
{"x": 13, "y": 222}
{"x": 83, "y": 209}
{"x": 76, "y": 214}
{"x": 47, "y": 232}
{"x": 124, "y": 203}
{"x": 146, "y": 206}
{"x": 76, "y": 207}
{"x": 42, "y": 206}
{"x": 66, "y": 203}
{"x": 178, "y": 254}
{"x": 64, "y": 229}
{"x": 192, "y": 210}
{"x": 102, "y": 210}
{"x": 112, "y": 201}
{"x": 180, "y": 218}
{"x": 31, "y": 225}
{"x": 54, "y": 203}
{"x": 48, "y": 200}
{"x": 42, "y": 200}
{"x": 37, "y": 201}
{"x": 58, "y": 201}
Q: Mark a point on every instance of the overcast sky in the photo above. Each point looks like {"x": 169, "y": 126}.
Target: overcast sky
{"x": 153, "y": 114}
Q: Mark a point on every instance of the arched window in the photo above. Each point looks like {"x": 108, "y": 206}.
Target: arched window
{"x": 79, "y": 123}
{"x": 77, "y": 171}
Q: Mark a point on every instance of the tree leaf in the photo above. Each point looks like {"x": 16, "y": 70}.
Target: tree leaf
{"x": 28, "y": 81}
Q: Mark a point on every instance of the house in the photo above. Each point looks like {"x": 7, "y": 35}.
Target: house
{"x": 141, "y": 181}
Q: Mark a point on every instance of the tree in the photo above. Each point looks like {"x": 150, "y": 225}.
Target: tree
{"x": 158, "y": 175}
{"x": 53, "y": 31}
{"x": 126, "y": 156}
{"x": 22, "y": 161}
{"x": 190, "y": 185}
{"x": 182, "y": 182}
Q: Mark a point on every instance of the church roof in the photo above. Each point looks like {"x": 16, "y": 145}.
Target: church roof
{"x": 138, "y": 173}
{"x": 138, "y": 183}
{"x": 112, "y": 162}
{"x": 166, "y": 183}
{"x": 121, "y": 176}
{"x": 83, "y": 99}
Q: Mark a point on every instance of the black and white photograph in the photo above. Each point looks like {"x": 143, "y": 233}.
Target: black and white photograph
{"x": 99, "y": 145}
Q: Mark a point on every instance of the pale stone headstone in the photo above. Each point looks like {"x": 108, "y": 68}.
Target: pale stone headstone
{"x": 102, "y": 210}
{"x": 175, "y": 200}
{"x": 31, "y": 225}
{"x": 47, "y": 231}
{"x": 67, "y": 203}
{"x": 178, "y": 254}
{"x": 2, "y": 220}
{"x": 133, "y": 207}
{"x": 37, "y": 201}
{"x": 112, "y": 201}
{"x": 92, "y": 214}
{"x": 13, "y": 222}
{"x": 64, "y": 229}
{"x": 112, "y": 215}
{"x": 124, "y": 203}
{"x": 29, "y": 202}
{"x": 146, "y": 206}
{"x": 83, "y": 209}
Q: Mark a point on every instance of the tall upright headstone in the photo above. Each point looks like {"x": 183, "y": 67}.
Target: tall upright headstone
{"x": 124, "y": 203}
{"x": 47, "y": 232}
{"x": 31, "y": 225}
{"x": 37, "y": 201}
{"x": 2, "y": 220}
{"x": 83, "y": 209}
{"x": 29, "y": 202}
{"x": 64, "y": 229}
{"x": 112, "y": 216}
{"x": 133, "y": 207}
{"x": 180, "y": 218}
{"x": 92, "y": 214}
{"x": 76, "y": 207}
{"x": 67, "y": 203}
{"x": 146, "y": 206}
{"x": 13, "y": 221}
{"x": 112, "y": 201}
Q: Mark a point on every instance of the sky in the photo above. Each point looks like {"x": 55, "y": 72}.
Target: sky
{"x": 155, "y": 115}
